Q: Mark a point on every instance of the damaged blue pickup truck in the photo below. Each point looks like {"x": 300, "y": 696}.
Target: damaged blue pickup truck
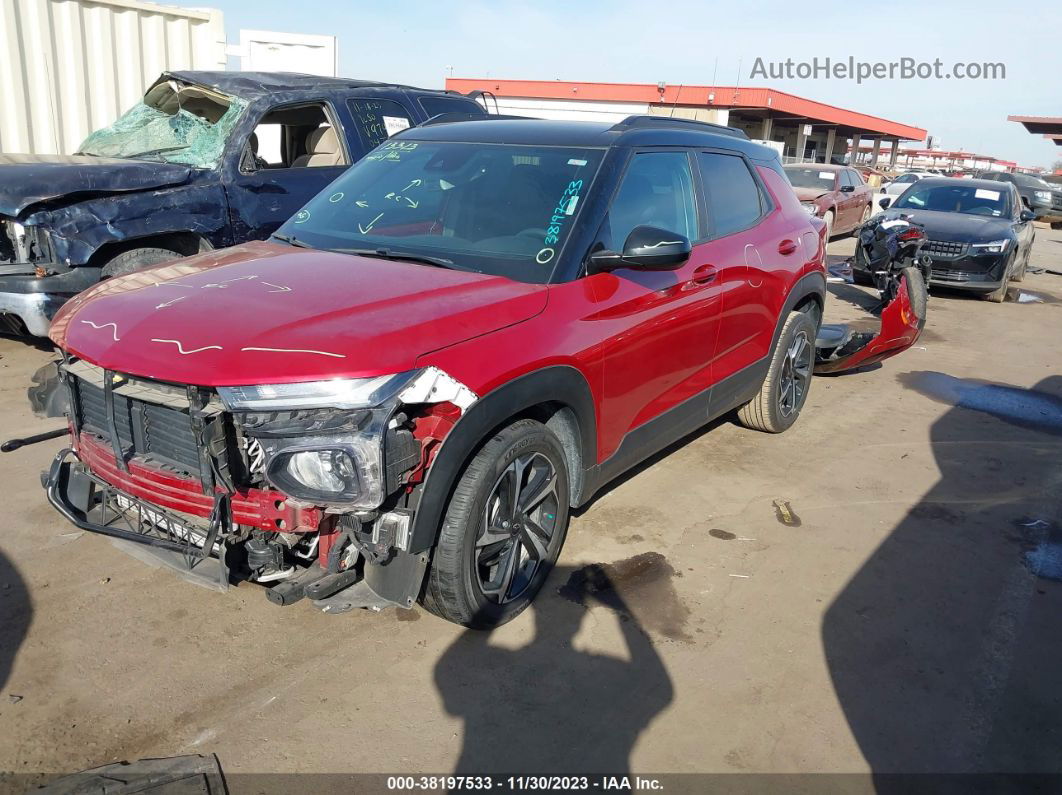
{"x": 204, "y": 160}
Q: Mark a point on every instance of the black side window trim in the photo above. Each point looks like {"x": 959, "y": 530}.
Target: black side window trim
{"x": 698, "y": 199}
{"x": 767, "y": 205}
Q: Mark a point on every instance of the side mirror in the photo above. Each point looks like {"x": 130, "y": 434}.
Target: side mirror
{"x": 648, "y": 248}
{"x": 247, "y": 164}
{"x": 1027, "y": 215}
{"x": 885, "y": 202}
{"x": 847, "y": 188}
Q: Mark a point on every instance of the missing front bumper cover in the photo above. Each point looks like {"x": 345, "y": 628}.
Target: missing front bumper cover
{"x": 198, "y": 553}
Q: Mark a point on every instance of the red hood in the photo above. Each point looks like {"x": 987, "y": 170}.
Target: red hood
{"x": 321, "y": 315}
{"x": 809, "y": 194}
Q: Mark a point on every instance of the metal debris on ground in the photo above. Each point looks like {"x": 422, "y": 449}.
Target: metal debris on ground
{"x": 785, "y": 513}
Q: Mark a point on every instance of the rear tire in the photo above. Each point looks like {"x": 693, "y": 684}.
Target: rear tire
{"x": 137, "y": 259}
{"x": 863, "y": 220}
{"x": 785, "y": 389}
{"x": 917, "y": 293}
{"x": 469, "y": 582}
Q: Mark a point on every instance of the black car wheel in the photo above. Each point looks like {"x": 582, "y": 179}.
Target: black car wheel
{"x": 1019, "y": 273}
{"x": 997, "y": 295}
{"x": 866, "y": 217}
{"x": 137, "y": 259}
{"x": 503, "y": 529}
{"x": 785, "y": 389}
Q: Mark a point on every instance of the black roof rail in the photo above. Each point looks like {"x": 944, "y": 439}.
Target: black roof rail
{"x": 635, "y": 122}
{"x": 447, "y": 118}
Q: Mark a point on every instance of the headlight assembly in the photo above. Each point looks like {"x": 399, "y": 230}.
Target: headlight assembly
{"x": 337, "y": 393}
{"x": 1043, "y": 195}
{"x": 995, "y": 247}
{"x": 337, "y": 443}
{"x": 811, "y": 207}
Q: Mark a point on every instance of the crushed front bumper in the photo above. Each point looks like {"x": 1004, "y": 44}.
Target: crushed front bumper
{"x": 196, "y": 551}
{"x": 35, "y": 300}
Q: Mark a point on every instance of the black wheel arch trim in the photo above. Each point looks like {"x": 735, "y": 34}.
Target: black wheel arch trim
{"x": 556, "y": 384}
{"x": 808, "y": 285}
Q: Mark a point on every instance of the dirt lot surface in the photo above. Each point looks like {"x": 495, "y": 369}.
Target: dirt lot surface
{"x": 859, "y": 594}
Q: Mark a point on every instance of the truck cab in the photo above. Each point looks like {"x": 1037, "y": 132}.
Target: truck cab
{"x": 206, "y": 160}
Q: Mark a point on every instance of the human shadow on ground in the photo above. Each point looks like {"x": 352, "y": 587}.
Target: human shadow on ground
{"x": 547, "y": 707}
{"x": 16, "y": 613}
{"x": 944, "y": 648}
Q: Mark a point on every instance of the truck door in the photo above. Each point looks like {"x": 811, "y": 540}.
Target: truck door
{"x": 293, "y": 152}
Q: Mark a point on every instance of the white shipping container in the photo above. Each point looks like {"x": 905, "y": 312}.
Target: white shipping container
{"x": 68, "y": 67}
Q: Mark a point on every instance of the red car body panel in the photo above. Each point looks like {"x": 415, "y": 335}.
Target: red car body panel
{"x": 644, "y": 341}
{"x": 270, "y": 313}
{"x": 847, "y": 207}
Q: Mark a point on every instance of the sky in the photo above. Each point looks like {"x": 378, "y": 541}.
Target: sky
{"x": 708, "y": 43}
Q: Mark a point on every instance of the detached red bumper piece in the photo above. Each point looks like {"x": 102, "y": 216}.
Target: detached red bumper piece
{"x": 842, "y": 346}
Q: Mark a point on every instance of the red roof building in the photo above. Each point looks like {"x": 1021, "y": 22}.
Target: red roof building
{"x": 800, "y": 128}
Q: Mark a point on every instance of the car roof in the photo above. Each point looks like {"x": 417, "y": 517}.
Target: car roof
{"x": 988, "y": 184}
{"x": 633, "y": 131}
{"x": 818, "y": 166}
{"x": 252, "y": 85}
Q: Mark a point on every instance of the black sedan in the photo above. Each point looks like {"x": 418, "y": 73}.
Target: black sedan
{"x": 979, "y": 234}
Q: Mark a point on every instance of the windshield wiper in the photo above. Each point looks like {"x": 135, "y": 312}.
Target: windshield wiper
{"x": 386, "y": 253}
{"x": 291, "y": 240}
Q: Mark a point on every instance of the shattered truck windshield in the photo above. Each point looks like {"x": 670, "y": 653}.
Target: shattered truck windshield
{"x": 501, "y": 209}
{"x": 174, "y": 123}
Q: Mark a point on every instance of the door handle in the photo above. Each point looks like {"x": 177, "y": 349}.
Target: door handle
{"x": 704, "y": 274}
{"x": 787, "y": 247}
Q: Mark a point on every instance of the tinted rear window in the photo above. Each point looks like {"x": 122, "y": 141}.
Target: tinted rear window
{"x": 733, "y": 197}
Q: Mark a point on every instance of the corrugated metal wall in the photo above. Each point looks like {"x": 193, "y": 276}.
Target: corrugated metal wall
{"x": 68, "y": 67}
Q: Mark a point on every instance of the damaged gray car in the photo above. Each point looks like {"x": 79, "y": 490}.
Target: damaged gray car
{"x": 204, "y": 160}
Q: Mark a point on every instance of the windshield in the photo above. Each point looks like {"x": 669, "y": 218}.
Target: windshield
{"x": 500, "y": 209}
{"x": 954, "y": 199}
{"x": 811, "y": 178}
{"x": 173, "y": 124}
{"x": 1032, "y": 182}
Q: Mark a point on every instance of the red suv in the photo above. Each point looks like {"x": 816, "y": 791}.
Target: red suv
{"x": 403, "y": 393}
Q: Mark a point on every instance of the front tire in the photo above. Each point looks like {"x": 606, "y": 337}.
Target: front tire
{"x": 866, "y": 217}
{"x": 503, "y": 529}
{"x": 785, "y": 389}
{"x": 828, "y": 218}
{"x": 1000, "y": 293}
{"x": 1019, "y": 273}
{"x": 137, "y": 259}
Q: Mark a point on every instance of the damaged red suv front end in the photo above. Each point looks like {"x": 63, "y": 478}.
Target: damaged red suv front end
{"x": 220, "y": 480}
